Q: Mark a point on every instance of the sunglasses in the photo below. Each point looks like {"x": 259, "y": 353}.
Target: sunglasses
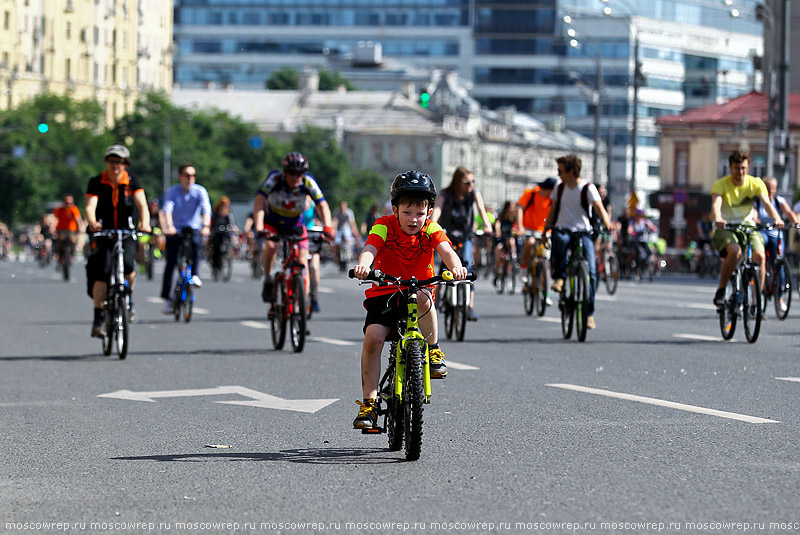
{"x": 469, "y": 182}
{"x": 190, "y": 175}
{"x": 115, "y": 161}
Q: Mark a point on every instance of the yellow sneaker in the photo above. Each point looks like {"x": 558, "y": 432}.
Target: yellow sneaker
{"x": 438, "y": 366}
{"x": 557, "y": 286}
{"x": 367, "y": 414}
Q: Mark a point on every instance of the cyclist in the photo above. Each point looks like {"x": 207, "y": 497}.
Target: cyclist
{"x": 505, "y": 228}
{"x": 732, "y": 200}
{"x": 402, "y": 245}
{"x": 454, "y": 212}
{"x": 770, "y": 237}
{"x": 278, "y": 209}
{"x": 532, "y": 209}
{"x": 639, "y": 230}
{"x": 346, "y": 229}
{"x": 110, "y": 199}
{"x": 570, "y": 210}
{"x": 223, "y": 227}
{"x": 69, "y": 223}
{"x": 156, "y": 239}
{"x": 185, "y": 205}
{"x": 314, "y": 249}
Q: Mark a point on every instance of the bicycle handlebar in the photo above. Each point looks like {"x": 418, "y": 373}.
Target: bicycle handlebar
{"x": 579, "y": 232}
{"x": 112, "y": 233}
{"x": 384, "y": 278}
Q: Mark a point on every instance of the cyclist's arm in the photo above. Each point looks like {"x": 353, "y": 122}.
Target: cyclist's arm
{"x": 487, "y": 227}
{"x": 520, "y": 215}
{"x": 549, "y": 223}
{"x": 259, "y": 209}
{"x": 362, "y": 269}
{"x": 91, "y": 213}
{"x": 600, "y": 209}
{"x": 451, "y": 260}
{"x": 790, "y": 214}
{"x": 140, "y": 200}
{"x": 773, "y": 212}
{"x": 327, "y": 222}
{"x": 716, "y": 210}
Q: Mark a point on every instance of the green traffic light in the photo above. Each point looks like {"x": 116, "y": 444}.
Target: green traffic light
{"x": 43, "y": 128}
{"x": 424, "y": 99}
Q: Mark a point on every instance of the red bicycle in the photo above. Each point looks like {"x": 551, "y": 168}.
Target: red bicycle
{"x": 288, "y": 295}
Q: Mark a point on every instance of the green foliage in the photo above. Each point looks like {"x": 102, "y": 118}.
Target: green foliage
{"x": 329, "y": 81}
{"x": 283, "y": 79}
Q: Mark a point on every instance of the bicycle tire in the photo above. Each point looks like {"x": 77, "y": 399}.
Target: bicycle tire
{"x": 542, "y": 286}
{"x": 312, "y": 290}
{"x": 567, "y": 305}
{"x": 65, "y": 270}
{"x": 448, "y": 311}
{"x": 500, "y": 282}
{"x": 108, "y": 341}
{"x": 783, "y": 288}
{"x": 752, "y": 314}
{"x": 177, "y": 302}
{"x": 460, "y": 312}
{"x": 276, "y": 314}
{"x": 394, "y": 412}
{"x": 121, "y": 326}
{"x": 582, "y": 284}
{"x": 529, "y": 294}
{"x": 728, "y": 312}
{"x": 611, "y": 273}
{"x": 413, "y": 399}
{"x": 297, "y": 313}
{"x": 188, "y": 304}
{"x": 511, "y": 281}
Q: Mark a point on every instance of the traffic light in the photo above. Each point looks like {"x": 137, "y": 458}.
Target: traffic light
{"x": 424, "y": 99}
{"x": 43, "y": 127}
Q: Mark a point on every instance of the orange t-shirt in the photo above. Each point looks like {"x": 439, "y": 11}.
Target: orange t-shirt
{"x": 402, "y": 255}
{"x": 67, "y": 218}
{"x": 534, "y": 215}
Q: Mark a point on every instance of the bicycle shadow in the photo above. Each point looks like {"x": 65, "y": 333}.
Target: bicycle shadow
{"x": 302, "y": 456}
{"x": 159, "y": 353}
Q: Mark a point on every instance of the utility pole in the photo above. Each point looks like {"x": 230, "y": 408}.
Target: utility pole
{"x": 785, "y": 147}
{"x": 637, "y": 73}
{"x": 597, "y": 101}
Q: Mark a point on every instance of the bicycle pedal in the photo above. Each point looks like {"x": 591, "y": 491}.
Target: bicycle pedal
{"x": 371, "y": 431}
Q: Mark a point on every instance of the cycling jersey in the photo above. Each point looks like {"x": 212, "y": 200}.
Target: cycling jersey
{"x": 402, "y": 255}
{"x": 286, "y": 205}
{"x": 737, "y": 201}
{"x": 67, "y": 217}
{"x": 114, "y": 203}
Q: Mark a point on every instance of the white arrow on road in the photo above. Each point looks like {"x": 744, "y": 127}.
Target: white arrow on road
{"x": 258, "y": 399}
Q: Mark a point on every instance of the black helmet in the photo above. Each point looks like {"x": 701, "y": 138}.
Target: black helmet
{"x": 413, "y": 182}
{"x": 294, "y": 162}
{"x": 548, "y": 183}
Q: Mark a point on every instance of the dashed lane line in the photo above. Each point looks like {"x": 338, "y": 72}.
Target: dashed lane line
{"x": 793, "y": 379}
{"x": 703, "y": 337}
{"x": 669, "y": 404}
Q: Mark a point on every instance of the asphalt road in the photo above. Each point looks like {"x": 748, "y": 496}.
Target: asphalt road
{"x": 653, "y": 424}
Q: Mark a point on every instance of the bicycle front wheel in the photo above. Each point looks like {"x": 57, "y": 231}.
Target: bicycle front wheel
{"x": 108, "y": 334}
{"x": 460, "y": 312}
{"x": 529, "y": 294}
{"x": 612, "y": 273}
{"x": 783, "y": 288}
{"x": 582, "y": 283}
{"x": 542, "y": 285}
{"x": 728, "y": 312}
{"x": 413, "y": 399}
{"x": 277, "y": 314}
{"x": 121, "y": 326}
{"x": 297, "y": 313}
{"x": 567, "y": 305}
{"x": 448, "y": 311}
{"x": 188, "y": 304}
{"x": 752, "y": 305}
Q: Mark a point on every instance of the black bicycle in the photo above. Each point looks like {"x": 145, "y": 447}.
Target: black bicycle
{"x": 743, "y": 292}
{"x": 575, "y": 294}
{"x": 221, "y": 257}
{"x": 116, "y": 306}
{"x": 777, "y": 282}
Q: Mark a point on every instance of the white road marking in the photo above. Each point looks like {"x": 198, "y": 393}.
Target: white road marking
{"x": 325, "y": 290}
{"x": 669, "y": 404}
{"x": 154, "y": 300}
{"x": 793, "y": 379}
{"x": 703, "y": 306}
{"x": 604, "y": 298}
{"x": 258, "y": 399}
{"x": 255, "y": 324}
{"x": 201, "y": 311}
{"x": 703, "y": 337}
{"x": 459, "y": 366}
{"x": 550, "y": 320}
{"x": 332, "y": 341}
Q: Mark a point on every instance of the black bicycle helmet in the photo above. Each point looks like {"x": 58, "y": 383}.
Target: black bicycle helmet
{"x": 413, "y": 182}
{"x": 294, "y": 162}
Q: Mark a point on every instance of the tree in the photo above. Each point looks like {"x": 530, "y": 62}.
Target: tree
{"x": 329, "y": 81}
{"x": 283, "y": 79}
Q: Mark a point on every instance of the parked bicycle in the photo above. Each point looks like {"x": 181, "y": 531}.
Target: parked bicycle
{"x": 608, "y": 264}
{"x": 116, "y": 306}
{"x": 288, "y": 295}
{"x": 743, "y": 292}
{"x": 405, "y": 386}
{"x": 534, "y": 289}
{"x": 777, "y": 281}
{"x": 183, "y": 294}
{"x": 575, "y": 295}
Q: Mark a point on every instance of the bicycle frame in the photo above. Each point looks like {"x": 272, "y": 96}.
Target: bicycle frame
{"x": 291, "y": 266}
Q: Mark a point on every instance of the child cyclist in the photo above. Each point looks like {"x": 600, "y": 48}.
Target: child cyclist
{"x": 401, "y": 245}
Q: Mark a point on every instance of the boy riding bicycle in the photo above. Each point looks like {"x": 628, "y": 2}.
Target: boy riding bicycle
{"x": 402, "y": 245}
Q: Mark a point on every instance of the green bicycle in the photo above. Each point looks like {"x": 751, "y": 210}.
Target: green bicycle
{"x": 405, "y": 386}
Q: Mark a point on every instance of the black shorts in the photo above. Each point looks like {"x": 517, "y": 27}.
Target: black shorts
{"x": 387, "y": 310}
{"x": 101, "y": 261}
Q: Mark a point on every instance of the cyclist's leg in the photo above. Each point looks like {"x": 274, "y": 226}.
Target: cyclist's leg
{"x": 172, "y": 247}
{"x": 197, "y": 243}
{"x": 757, "y": 248}
{"x": 588, "y": 248}
{"x": 558, "y": 254}
{"x": 527, "y": 253}
{"x": 426, "y": 314}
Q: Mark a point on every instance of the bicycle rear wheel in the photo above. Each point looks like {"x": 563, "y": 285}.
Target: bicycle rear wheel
{"x": 460, "y": 312}
{"x": 227, "y": 266}
{"x": 542, "y": 285}
{"x": 297, "y": 313}
{"x": 567, "y": 305}
{"x": 611, "y": 273}
{"x": 752, "y": 305}
{"x": 728, "y": 312}
{"x": 108, "y": 315}
{"x": 413, "y": 399}
{"x": 121, "y": 326}
{"x": 582, "y": 283}
{"x": 783, "y": 288}
{"x": 511, "y": 281}
{"x": 277, "y": 317}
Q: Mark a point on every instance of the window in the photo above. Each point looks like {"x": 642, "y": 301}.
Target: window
{"x": 69, "y": 31}
{"x": 68, "y": 68}
{"x": 6, "y": 20}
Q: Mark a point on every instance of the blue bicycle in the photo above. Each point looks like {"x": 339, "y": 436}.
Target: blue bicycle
{"x": 183, "y": 295}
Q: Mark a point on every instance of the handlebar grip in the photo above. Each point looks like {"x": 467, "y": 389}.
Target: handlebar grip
{"x": 472, "y": 276}
{"x": 351, "y": 274}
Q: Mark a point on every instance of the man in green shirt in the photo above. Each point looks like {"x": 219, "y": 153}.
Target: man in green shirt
{"x": 732, "y": 200}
